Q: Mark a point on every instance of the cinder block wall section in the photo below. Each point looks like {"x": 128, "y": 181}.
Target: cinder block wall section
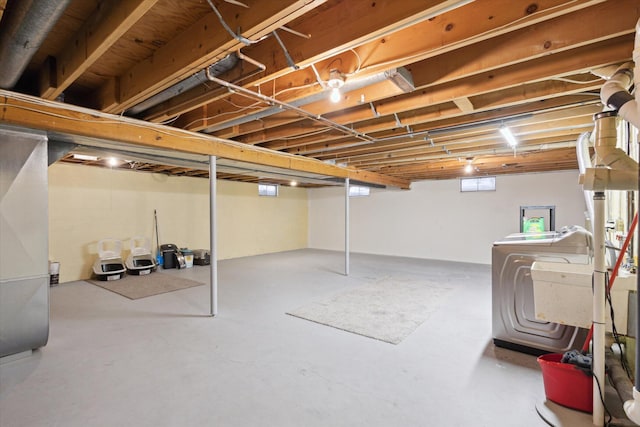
{"x": 435, "y": 220}
{"x": 87, "y": 204}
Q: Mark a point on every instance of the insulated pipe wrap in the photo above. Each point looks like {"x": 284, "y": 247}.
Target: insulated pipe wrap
{"x": 24, "y": 26}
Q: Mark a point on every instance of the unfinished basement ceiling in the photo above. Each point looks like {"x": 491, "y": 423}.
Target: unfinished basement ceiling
{"x": 425, "y": 85}
{"x": 111, "y": 155}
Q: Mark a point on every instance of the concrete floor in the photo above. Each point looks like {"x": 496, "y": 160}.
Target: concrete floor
{"x": 160, "y": 361}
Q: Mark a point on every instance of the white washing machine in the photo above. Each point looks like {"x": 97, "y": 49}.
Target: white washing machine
{"x": 514, "y": 322}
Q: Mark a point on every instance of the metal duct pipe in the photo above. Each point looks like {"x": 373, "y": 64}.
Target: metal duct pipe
{"x": 401, "y": 77}
{"x": 272, "y": 101}
{"x": 25, "y": 25}
{"x": 220, "y": 67}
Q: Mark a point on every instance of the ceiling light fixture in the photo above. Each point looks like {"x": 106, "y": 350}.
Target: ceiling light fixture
{"x": 468, "y": 167}
{"x": 85, "y": 157}
{"x": 508, "y": 135}
{"x": 113, "y": 161}
{"x": 336, "y": 81}
{"x": 293, "y": 183}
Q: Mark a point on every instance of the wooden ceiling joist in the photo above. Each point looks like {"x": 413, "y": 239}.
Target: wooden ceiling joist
{"x": 105, "y": 26}
{"x": 597, "y": 23}
{"x": 201, "y": 45}
{"x": 472, "y": 59}
{"x": 333, "y": 30}
{"x": 561, "y": 159}
{"x": 397, "y": 52}
{"x": 433, "y": 138}
{"x": 536, "y": 66}
{"x": 32, "y": 113}
{"x": 431, "y": 118}
{"x": 476, "y": 87}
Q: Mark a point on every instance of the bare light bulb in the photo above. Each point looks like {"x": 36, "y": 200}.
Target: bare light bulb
{"x": 335, "y": 95}
{"x": 113, "y": 161}
{"x": 468, "y": 168}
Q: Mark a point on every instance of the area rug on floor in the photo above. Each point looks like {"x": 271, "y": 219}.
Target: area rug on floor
{"x": 135, "y": 287}
{"x": 388, "y": 310}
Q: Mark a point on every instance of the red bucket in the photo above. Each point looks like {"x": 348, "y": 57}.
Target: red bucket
{"x": 565, "y": 384}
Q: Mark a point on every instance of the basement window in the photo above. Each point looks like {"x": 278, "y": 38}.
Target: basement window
{"x": 269, "y": 190}
{"x": 486, "y": 183}
{"x": 358, "y": 191}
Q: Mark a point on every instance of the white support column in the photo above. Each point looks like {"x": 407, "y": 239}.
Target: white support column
{"x": 346, "y": 227}
{"x": 599, "y": 285}
{"x": 213, "y": 273}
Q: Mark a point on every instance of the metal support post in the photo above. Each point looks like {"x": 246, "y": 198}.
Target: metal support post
{"x": 346, "y": 227}
{"x": 213, "y": 273}
{"x": 599, "y": 286}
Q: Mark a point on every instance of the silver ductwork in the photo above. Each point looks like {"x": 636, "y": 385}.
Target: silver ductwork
{"x": 401, "y": 77}
{"x": 220, "y": 67}
{"x": 24, "y": 26}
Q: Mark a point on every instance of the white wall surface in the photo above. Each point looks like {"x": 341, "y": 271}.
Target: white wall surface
{"x": 435, "y": 220}
{"x": 87, "y": 204}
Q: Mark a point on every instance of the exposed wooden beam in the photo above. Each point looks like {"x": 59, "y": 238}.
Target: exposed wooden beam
{"x": 432, "y": 117}
{"x": 376, "y": 91}
{"x": 464, "y": 104}
{"x": 471, "y": 24}
{"x": 517, "y": 46}
{"x": 335, "y": 29}
{"x": 543, "y": 160}
{"x": 345, "y": 147}
{"x": 32, "y": 113}
{"x": 454, "y": 147}
{"x": 601, "y": 22}
{"x": 438, "y": 138}
{"x": 338, "y": 29}
{"x": 203, "y": 44}
{"x": 110, "y": 20}
{"x": 502, "y": 99}
{"x": 536, "y": 70}
{"x": 566, "y": 62}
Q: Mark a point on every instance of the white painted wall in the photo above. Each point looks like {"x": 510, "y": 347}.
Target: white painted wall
{"x": 435, "y": 220}
{"x": 87, "y": 204}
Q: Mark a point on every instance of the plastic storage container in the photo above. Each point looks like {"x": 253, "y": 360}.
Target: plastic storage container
{"x": 54, "y": 273}
{"x": 566, "y": 384}
{"x": 188, "y": 257}
{"x": 201, "y": 257}
{"x": 140, "y": 261}
{"x": 109, "y": 265}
